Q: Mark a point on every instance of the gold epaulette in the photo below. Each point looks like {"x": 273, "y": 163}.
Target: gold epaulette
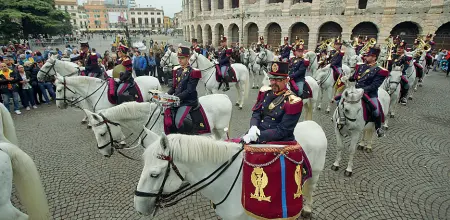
{"x": 292, "y": 97}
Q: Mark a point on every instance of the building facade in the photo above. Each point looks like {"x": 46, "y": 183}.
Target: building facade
{"x": 97, "y": 15}
{"x": 141, "y": 19}
{"x": 115, "y": 13}
{"x": 82, "y": 19}
{"x": 177, "y": 17}
{"x": 71, "y": 6}
{"x": 314, "y": 20}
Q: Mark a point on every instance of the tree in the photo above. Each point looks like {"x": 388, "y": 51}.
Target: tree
{"x": 32, "y": 17}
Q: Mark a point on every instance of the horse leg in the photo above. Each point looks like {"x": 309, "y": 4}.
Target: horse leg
{"x": 84, "y": 120}
{"x": 309, "y": 111}
{"x": 319, "y": 99}
{"x": 308, "y": 189}
{"x": 416, "y": 82}
{"x": 369, "y": 137}
{"x": 352, "y": 148}
{"x": 340, "y": 146}
{"x": 330, "y": 99}
{"x": 240, "y": 95}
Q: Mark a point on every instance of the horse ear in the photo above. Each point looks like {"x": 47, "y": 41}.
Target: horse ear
{"x": 151, "y": 136}
{"x": 164, "y": 141}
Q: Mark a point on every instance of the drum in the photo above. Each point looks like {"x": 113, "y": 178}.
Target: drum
{"x": 117, "y": 70}
{"x": 272, "y": 180}
{"x": 165, "y": 100}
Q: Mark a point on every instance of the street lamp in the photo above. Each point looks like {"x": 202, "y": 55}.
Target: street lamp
{"x": 242, "y": 15}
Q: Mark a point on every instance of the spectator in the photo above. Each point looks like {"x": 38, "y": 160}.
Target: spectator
{"x": 46, "y": 85}
{"x": 25, "y": 88}
{"x": 139, "y": 64}
{"x": 9, "y": 87}
{"x": 152, "y": 63}
{"x": 33, "y": 69}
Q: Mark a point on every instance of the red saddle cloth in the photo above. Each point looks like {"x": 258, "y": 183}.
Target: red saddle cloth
{"x": 272, "y": 180}
{"x": 368, "y": 114}
{"x": 112, "y": 87}
{"x": 231, "y": 72}
{"x": 306, "y": 89}
{"x": 199, "y": 119}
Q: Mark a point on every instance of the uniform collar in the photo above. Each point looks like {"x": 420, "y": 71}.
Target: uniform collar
{"x": 280, "y": 92}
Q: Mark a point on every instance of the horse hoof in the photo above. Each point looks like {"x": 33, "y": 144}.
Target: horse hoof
{"x": 319, "y": 108}
{"x": 347, "y": 173}
{"x": 83, "y": 122}
{"x": 415, "y": 90}
{"x": 368, "y": 150}
{"x": 306, "y": 214}
{"x": 89, "y": 127}
{"x": 360, "y": 147}
{"x": 240, "y": 107}
{"x": 328, "y": 111}
{"x": 420, "y": 85}
{"x": 237, "y": 104}
{"x": 392, "y": 116}
{"x": 335, "y": 168}
{"x": 410, "y": 98}
{"x": 385, "y": 127}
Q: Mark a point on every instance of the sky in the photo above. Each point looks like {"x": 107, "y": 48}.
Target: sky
{"x": 170, "y": 6}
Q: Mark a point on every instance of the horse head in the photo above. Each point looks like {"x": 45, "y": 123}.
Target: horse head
{"x": 350, "y": 102}
{"x": 169, "y": 60}
{"x": 395, "y": 76}
{"x": 48, "y": 69}
{"x": 159, "y": 176}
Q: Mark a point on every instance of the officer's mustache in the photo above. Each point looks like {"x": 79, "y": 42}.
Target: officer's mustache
{"x": 275, "y": 86}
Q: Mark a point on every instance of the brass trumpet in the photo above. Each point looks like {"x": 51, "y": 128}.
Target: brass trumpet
{"x": 368, "y": 45}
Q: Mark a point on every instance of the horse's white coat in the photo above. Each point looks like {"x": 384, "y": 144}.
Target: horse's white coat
{"x": 134, "y": 115}
{"x": 325, "y": 80}
{"x": 208, "y": 70}
{"x": 392, "y": 86}
{"x": 196, "y": 157}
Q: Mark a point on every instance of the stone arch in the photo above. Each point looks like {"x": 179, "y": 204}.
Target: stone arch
{"x": 407, "y": 31}
{"x": 273, "y": 31}
{"x": 192, "y": 32}
{"x": 208, "y": 33}
{"x": 188, "y": 33}
{"x": 199, "y": 34}
{"x": 233, "y": 33}
{"x": 251, "y": 32}
{"x": 328, "y": 30}
{"x": 219, "y": 31}
{"x": 442, "y": 38}
{"x": 300, "y": 30}
{"x": 364, "y": 29}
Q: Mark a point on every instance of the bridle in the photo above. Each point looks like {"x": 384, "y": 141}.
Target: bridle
{"x": 329, "y": 73}
{"x": 163, "y": 199}
{"x": 388, "y": 86}
{"x": 52, "y": 66}
{"x": 164, "y": 61}
{"x": 78, "y": 100}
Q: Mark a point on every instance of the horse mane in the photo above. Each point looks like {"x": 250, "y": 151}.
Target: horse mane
{"x": 129, "y": 110}
{"x": 82, "y": 80}
{"x": 7, "y": 129}
{"x": 195, "y": 149}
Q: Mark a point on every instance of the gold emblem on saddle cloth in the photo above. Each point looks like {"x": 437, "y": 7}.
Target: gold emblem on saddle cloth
{"x": 202, "y": 125}
{"x": 259, "y": 181}
{"x": 298, "y": 181}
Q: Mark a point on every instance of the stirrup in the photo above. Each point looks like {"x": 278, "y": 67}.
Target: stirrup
{"x": 380, "y": 132}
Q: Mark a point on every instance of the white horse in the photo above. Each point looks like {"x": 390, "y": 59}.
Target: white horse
{"x": 94, "y": 91}
{"x": 411, "y": 75}
{"x": 307, "y": 103}
{"x": 392, "y": 86}
{"x": 16, "y": 166}
{"x": 134, "y": 115}
{"x": 208, "y": 70}
{"x": 169, "y": 60}
{"x": 253, "y": 68}
{"x": 418, "y": 81}
{"x": 313, "y": 63}
{"x": 326, "y": 82}
{"x": 350, "y": 57}
{"x": 196, "y": 157}
{"x": 350, "y": 107}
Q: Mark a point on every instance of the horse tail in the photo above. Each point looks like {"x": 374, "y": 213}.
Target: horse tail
{"x": 8, "y": 128}
{"x": 28, "y": 183}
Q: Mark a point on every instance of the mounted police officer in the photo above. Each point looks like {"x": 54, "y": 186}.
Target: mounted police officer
{"x": 224, "y": 62}
{"x": 89, "y": 60}
{"x": 277, "y": 109}
{"x": 298, "y": 69}
{"x": 260, "y": 45}
{"x": 195, "y": 45}
{"x": 285, "y": 50}
{"x": 400, "y": 59}
{"x": 127, "y": 86}
{"x": 335, "y": 58}
{"x": 185, "y": 80}
{"x": 360, "y": 45}
{"x": 369, "y": 76}
{"x": 429, "y": 57}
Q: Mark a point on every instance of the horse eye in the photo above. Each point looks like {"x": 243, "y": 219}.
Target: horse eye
{"x": 346, "y": 110}
{"x": 103, "y": 134}
{"x": 154, "y": 175}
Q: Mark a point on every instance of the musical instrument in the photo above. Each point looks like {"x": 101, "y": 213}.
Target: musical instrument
{"x": 117, "y": 70}
{"x": 370, "y": 43}
{"x": 390, "y": 44}
{"x": 422, "y": 47}
{"x": 165, "y": 100}
{"x": 355, "y": 41}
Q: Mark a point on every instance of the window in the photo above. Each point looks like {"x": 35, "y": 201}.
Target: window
{"x": 132, "y": 13}
{"x": 159, "y": 20}
{"x": 139, "y": 20}
{"x": 153, "y": 20}
{"x": 71, "y": 7}
{"x": 139, "y": 13}
{"x": 74, "y": 22}
{"x": 73, "y": 14}
{"x": 158, "y": 13}
{"x": 145, "y": 13}
{"x": 133, "y": 20}
{"x": 152, "y": 13}
{"x": 65, "y": 7}
{"x": 362, "y": 4}
{"x": 146, "y": 20}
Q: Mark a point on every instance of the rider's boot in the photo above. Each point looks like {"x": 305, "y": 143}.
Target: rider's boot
{"x": 227, "y": 84}
{"x": 403, "y": 94}
{"x": 379, "y": 129}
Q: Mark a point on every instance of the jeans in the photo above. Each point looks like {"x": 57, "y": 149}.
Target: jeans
{"x": 27, "y": 98}
{"x": 300, "y": 85}
{"x": 152, "y": 70}
{"x": 49, "y": 87}
{"x": 7, "y": 96}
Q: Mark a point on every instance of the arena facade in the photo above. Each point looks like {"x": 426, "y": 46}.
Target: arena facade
{"x": 313, "y": 20}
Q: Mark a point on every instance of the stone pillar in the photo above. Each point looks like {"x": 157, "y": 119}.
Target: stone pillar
{"x": 226, "y": 5}
{"x": 215, "y": 37}
{"x": 436, "y": 7}
{"x": 204, "y": 36}
{"x": 389, "y": 7}
{"x": 204, "y": 5}
{"x": 346, "y": 35}
{"x": 350, "y": 7}
{"x": 315, "y": 7}
{"x": 196, "y": 8}
{"x": 262, "y": 6}
{"x": 213, "y": 7}
{"x": 312, "y": 40}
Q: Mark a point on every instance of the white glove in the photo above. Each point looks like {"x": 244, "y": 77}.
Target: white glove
{"x": 249, "y": 138}
{"x": 254, "y": 131}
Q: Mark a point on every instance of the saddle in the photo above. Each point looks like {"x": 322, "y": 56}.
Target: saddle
{"x": 307, "y": 92}
{"x": 126, "y": 92}
{"x": 336, "y": 73}
{"x": 264, "y": 194}
{"x": 367, "y": 107}
{"x": 231, "y": 75}
{"x": 199, "y": 125}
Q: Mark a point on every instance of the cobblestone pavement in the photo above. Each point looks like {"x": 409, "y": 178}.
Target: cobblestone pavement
{"x": 406, "y": 177}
